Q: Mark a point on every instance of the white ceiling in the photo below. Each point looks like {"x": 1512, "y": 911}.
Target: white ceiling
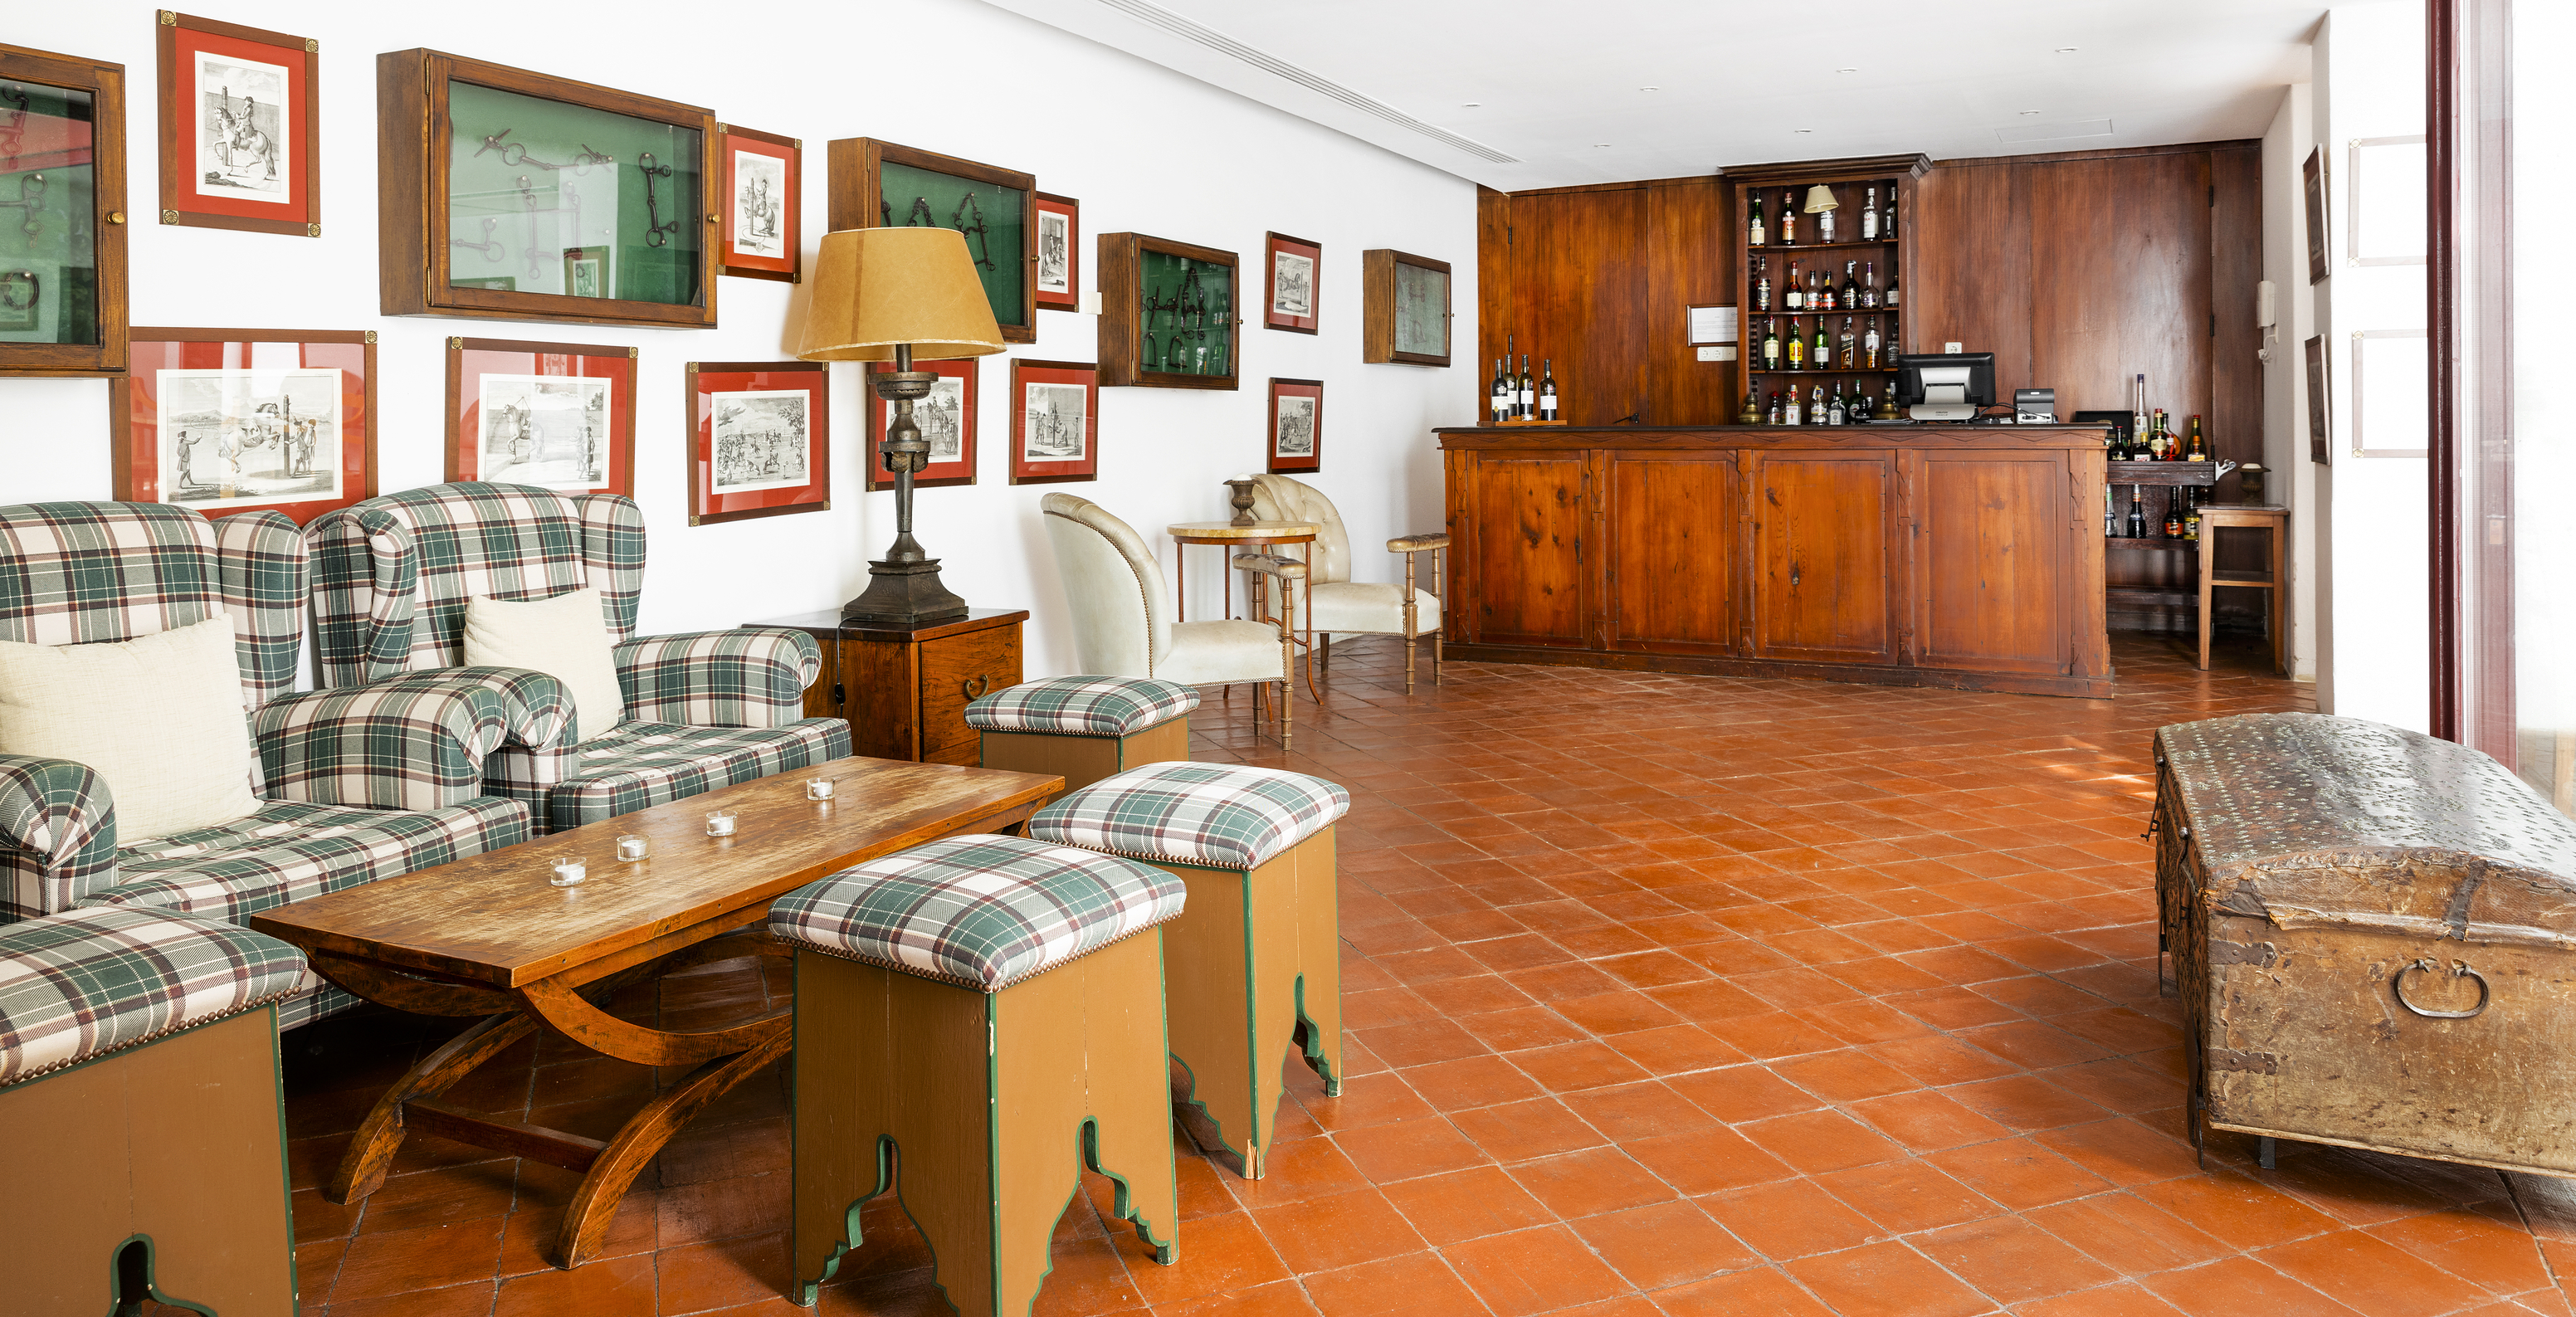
{"x": 1559, "y": 87}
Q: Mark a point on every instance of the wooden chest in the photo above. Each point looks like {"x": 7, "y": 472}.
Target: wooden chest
{"x": 2374, "y": 937}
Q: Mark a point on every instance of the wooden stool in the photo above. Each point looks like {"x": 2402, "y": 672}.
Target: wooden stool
{"x": 977, "y": 1020}
{"x": 138, "y": 1081}
{"x": 1254, "y": 964}
{"x": 1084, "y": 728}
{"x": 2274, "y": 522}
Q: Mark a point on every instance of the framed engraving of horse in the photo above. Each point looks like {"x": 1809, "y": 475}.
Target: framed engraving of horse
{"x": 597, "y": 206}
{"x": 947, "y": 419}
{"x": 62, "y": 182}
{"x": 240, "y": 420}
{"x": 760, "y": 439}
{"x": 561, "y": 415}
{"x": 764, "y": 193}
{"x": 240, "y": 145}
{"x": 876, "y": 183}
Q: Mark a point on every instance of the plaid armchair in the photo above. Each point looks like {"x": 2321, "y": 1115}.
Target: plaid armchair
{"x": 354, "y": 784}
{"x": 391, "y": 577}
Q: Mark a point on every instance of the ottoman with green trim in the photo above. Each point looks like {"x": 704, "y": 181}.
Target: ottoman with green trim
{"x": 978, "y": 1019}
{"x": 138, "y": 1070}
{"x": 1084, "y": 728}
{"x": 1254, "y": 966}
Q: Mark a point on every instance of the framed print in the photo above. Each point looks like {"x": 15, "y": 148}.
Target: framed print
{"x": 598, "y": 206}
{"x": 236, "y": 420}
{"x": 2384, "y": 183}
{"x": 2391, "y": 393}
{"x": 1295, "y": 270}
{"x": 559, "y": 415}
{"x": 1059, "y": 253}
{"x": 2320, "y": 432}
{"x": 760, "y": 442}
{"x": 1055, "y": 422}
{"x": 877, "y": 183}
{"x": 764, "y": 187}
{"x": 62, "y": 246}
{"x": 1168, "y": 313}
{"x": 1296, "y": 426}
{"x": 2314, "y": 174}
{"x": 1404, "y": 308}
{"x": 240, "y": 146}
{"x": 946, "y": 418}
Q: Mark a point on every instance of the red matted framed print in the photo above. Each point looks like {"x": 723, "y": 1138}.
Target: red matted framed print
{"x": 239, "y": 141}
{"x": 232, "y": 420}
{"x": 764, "y": 187}
{"x": 1296, "y": 425}
{"x": 760, "y": 439}
{"x": 559, "y": 415}
{"x": 1055, "y": 421}
{"x": 1294, "y": 281}
{"x": 1059, "y": 252}
{"x": 947, "y": 420}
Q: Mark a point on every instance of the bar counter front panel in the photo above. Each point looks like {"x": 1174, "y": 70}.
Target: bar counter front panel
{"x": 1927, "y": 555}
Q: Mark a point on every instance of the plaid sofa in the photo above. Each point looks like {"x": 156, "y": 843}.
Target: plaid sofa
{"x": 354, "y": 784}
{"x": 391, "y": 577}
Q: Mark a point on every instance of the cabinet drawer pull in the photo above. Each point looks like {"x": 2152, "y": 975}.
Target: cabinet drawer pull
{"x": 2459, "y": 969}
{"x": 976, "y": 686}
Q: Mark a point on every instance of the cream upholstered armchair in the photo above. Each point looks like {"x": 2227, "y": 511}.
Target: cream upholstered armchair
{"x": 1340, "y": 603}
{"x": 1122, "y": 617}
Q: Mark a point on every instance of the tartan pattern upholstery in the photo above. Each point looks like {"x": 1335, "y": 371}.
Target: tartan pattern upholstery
{"x": 747, "y": 677}
{"x": 1082, "y": 706}
{"x": 417, "y": 741}
{"x": 57, "y": 835}
{"x": 74, "y": 573}
{"x": 984, "y": 911}
{"x": 1231, "y": 816}
{"x": 391, "y": 574}
{"x": 635, "y": 765}
{"x": 80, "y": 985}
{"x": 289, "y": 851}
{"x": 315, "y": 1003}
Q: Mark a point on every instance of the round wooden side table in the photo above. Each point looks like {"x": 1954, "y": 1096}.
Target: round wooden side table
{"x": 1228, "y": 536}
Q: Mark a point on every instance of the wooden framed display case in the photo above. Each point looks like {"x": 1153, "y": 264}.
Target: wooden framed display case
{"x": 1404, "y": 308}
{"x": 1850, "y": 182}
{"x": 1169, "y": 313}
{"x": 874, "y": 184}
{"x": 62, "y": 182}
{"x": 506, "y": 194}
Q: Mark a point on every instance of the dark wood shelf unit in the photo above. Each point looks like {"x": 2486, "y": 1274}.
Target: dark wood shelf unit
{"x": 2151, "y": 544}
{"x": 1850, "y": 178}
{"x": 1831, "y": 370}
{"x": 1826, "y": 246}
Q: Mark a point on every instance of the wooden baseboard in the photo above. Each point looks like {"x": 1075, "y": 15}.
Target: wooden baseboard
{"x": 2094, "y": 688}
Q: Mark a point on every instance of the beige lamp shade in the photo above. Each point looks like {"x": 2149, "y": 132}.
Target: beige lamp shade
{"x": 876, "y": 289}
{"x": 1820, "y": 199}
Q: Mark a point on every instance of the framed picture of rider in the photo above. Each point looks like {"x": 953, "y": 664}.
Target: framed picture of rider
{"x": 764, "y": 192}
{"x": 560, "y": 415}
{"x": 947, "y": 419}
{"x": 237, "y": 420}
{"x": 239, "y": 146}
{"x": 760, "y": 441}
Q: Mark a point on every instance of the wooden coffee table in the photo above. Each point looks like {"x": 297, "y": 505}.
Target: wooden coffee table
{"x": 489, "y": 936}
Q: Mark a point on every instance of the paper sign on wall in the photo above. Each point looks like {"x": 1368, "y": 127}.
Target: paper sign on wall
{"x": 1712, "y": 324}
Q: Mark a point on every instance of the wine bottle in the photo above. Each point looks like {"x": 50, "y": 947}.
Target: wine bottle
{"x": 1794, "y": 297}
{"x": 1824, "y": 352}
{"x": 1762, "y": 283}
{"x": 1502, "y": 394}
{"x": 1789, "y": 219}
{"x": 1771, "y": 345}
{"x": 1890, "y": 299}
{"x": 1797, "y": 347}
{"x": 1849, "y": 343}
{"x": 2199, "y": 451}
{"x": 1869, "y": 218}
{"x": 1753, "y": 234}
{"x": 1869, "y": 343}
{"x": 1547, "y": 392}
{"x": 1529, "y": 392}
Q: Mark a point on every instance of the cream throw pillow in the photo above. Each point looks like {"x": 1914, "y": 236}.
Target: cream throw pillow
{"x": 159, "y": 719}
{"x": 565, "y": 637}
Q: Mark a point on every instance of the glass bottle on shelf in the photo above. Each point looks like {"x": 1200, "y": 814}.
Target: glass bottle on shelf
{"x": 1770, "y": 344}
{"x": 1797, "y": 347}
{"x": 1890, "y": 299}
{"x": 2173, "y": 515}
{"x": 1834, "y": 411}
{"x": 1849, "y": 343}
{"x": 1869, "y": 218}
{"x": 1869, "y": 344}
{"x": 1824, "y": 352}
{"x": 1825, "y": 226}
{"x": 1789, "y": 219}
{"x": 1773, "y": 416}
{"x": 2199, "y": 450}
{"x": 1869, "y": 286}
{"x": 1794, "y": 294}
{"x": 1762, "y": 283}
{"x": 2137, "y": 515}
{"x": 2191, "y": 512}
{"x": 1816, "y": 406}
{"x": 1797, "y": 410}
{"x": 1753, "y": 232}
{"x": 1887, "y": 227}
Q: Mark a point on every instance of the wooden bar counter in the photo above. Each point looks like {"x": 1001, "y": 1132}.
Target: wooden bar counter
{"x": 1918, "y": 555}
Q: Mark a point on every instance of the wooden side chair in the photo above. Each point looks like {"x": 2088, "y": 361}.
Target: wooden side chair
{"x": 977, "y": 1020}
{"x": 1084, "y": 728}
{"x": 138, "y": 1077}
{"x": 1254, "y": 964}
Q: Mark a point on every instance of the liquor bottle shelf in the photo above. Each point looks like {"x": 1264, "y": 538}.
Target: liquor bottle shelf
{"x": 1835, "y": 370}
{"x": 2157, "y": 473}
{"x": 1844, "y": 311}
{"x": 2152, "y": 543}
{"x": 1770, "y": 247}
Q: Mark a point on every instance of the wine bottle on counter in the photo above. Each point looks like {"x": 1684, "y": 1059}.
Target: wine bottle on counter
{"x": 1762, "y": 283}
{"x": 1529, "y": 391}
{"x": 1502, "y": 393}
{"x": 1794, "y": 294}
{"x": 1824, "y": 359}
{"x": 1547, "y": 391}
{"x": 1869, "y": 344}
{"x": 1797, "y": 347}
{"x": 1869, "y": 218}
{"x": 1789, "y": 218}
{"x": 1771, "y": 346}
{"x": 1753, "y": 233}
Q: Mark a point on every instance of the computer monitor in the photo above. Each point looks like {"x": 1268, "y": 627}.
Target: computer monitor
{"x": 1945, "y": 386}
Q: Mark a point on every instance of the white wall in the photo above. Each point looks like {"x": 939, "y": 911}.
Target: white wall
{"x": 2292, "y": 479}
{"x": 1143, "y": 148}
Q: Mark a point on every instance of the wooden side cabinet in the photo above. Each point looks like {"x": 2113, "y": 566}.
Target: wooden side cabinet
{"x": 905, "y": 692}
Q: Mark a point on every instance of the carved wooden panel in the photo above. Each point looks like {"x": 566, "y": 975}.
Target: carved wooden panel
{"x": 1994, "y": 583}
{"x": 1822, "y": 576}
{"x": 1672, "y": 523}
{"x": 1527, "y": 552}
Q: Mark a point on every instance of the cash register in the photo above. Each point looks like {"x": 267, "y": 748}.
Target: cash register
{"x": 1945, "y": 387}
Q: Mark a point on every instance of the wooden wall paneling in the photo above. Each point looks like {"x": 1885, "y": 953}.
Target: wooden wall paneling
{"x": 2122, "y": 245}
{"x": 1580, "y": 274}
{"x": 1497, "y": 300}
{"x": 1687, "y": 223}
{"x": 1993, "y": 586}
{"x": 1968, "y": 269}
{"x": 1530, "y": 511}
{"x": 1669, "y": 551}
{"x": 1823, "y": 576}
{"x": 2235, "y": 416}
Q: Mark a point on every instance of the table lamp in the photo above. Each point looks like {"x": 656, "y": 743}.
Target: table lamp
{"x": 879, "y": 294}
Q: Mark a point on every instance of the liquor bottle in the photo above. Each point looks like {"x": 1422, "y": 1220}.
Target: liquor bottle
{"x": 1816, "y": 406}
{"x": 2156, "y": 436}
{"x": 1849, "y": 343}
{"x": 1869, "y": 287}
{"x": 1797, "y": 347}
{"x": 1529, "y": 393}
{"x": 1797, "y": 410}
{"x": 1502, "y": 394}
{"x": 2191, "y": 512}
{"x": 1869, "y": 344}
{"x": 1887, "y": 227}
{"x": 1753, "y": 233}
{"x": 2110, "y": 518}
{"x": 2199, "y": 451}
{"x": 1774, "y": 413}
{"x": 1835, "y": 413}
{"x": 1794, "y": 294}
{"x": 2137, "y": 515}
{"x": 1547, "y": 392}
{"x": 1824, "y": 351}
{"x": 1851, "y": 286}
{"x": 2138, "y": 408}
{"x": 2173, "y": 520}
{"x": 1824, "y": 226}
{"x": 1890, "y": 299}
{"x": 2110, "y": 453}
{"x": 1789, "y": 219}
{"x": 1762, "y": 283}
{"x": 1771, "y": 346}
{"x": 1869, "y": 218}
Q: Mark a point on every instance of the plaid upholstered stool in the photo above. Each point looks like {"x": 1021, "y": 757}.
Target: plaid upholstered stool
{"x": 1084, "y": 728}
{"x": 978, "y": 1019}
{"x": 138, "y": 1080}
{"x": 1255, "y": 963}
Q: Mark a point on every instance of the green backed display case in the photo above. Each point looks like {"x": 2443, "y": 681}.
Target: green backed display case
{"x": 873, "y": 184}
{"x": 1170, "y": 313}
{"x": 62, "y": 217}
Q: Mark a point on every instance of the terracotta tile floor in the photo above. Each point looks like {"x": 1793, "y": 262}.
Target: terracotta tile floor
{"x": 1674, "y": 995}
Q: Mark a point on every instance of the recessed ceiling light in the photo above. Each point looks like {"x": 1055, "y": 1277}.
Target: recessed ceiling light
{"x": 1600, "y": 146}
{"x": 1802, "y": 130}
{"x": 1471, "y": 105}
{"x": 2068, "y": 50}
{"x": 2027, "y": 113}
{"x": 1650, "y": 89}
{"x": 1847, "y": 70}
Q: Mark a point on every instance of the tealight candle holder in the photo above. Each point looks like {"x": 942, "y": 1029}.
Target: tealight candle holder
{"x": 632, "y": 847}
{"x": 567, "y": 871}
{"x": 721, "y": 823}
{"x": 820, "y": 788}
